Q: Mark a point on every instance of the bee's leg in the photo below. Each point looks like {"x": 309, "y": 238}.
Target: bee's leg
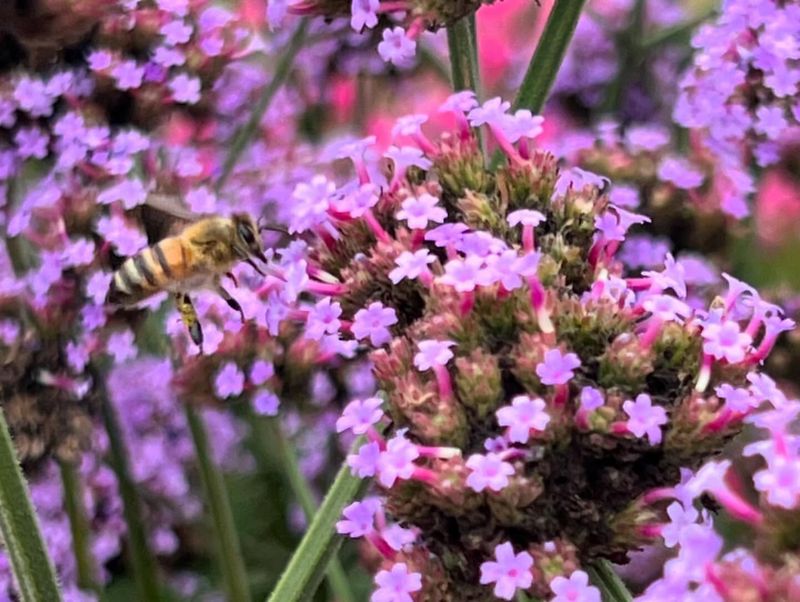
{"x": 232, "y": 303}
{"x": 190, "y": 319}
{"x": 232, "y": 276}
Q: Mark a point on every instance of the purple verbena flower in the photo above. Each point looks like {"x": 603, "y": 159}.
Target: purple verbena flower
{"x": 396, "y": 585}
{"x": 373, "y": 322}
{"x": 509, "y": 571}
{"x": 574, "y": 589}
{"x": 229, "y": 381}
{"x": 360, "y": 414}
{"x": 644, "y": 418}
{"x": 488, "y": 471}
{"x": 522, "y": 416}
{"x": 557, "y": 368}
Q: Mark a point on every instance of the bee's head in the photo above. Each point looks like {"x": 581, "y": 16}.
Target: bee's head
{"x": 247, "y": 238}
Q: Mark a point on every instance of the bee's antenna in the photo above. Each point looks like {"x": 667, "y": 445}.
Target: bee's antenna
{"x": 271, "y": 227}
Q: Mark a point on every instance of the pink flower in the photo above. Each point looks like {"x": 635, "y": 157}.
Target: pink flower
{"x": 373, "y": 322}
{"x": 229, "y": 381}
{"x": 323, "y": 319}
{"x": 266, "y": 403}
{"x": 359, "y": 518}
{"x": 492, "y": 113}
{"x": 185, "y": 89}
{"x": 397, "y": 461}
{"x": 396, "y": 585}
{"x": 411, "y": 265}
{"x": 433, "y": 353}
{"x": 364, "y": 13}
{"x": 488, "y": 471}
{"x": 574, "y": 589}
{"x": 364, "y": 463}
{"x": 557, "y": 368}
{"x": 726, "y": 341}
{"x": 397, "y": 48}
{"x": 644, "y": 418}
{"x": 523, "y": 415}
{"x": 509, "y": 572}
{"x": 418, "y": 211}
{"x": 465, "y": 275}
{"x": 360, "y": 415}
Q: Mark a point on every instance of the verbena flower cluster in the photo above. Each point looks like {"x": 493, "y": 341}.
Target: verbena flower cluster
{"x": 679, "y": 191}
{"x": 400, "y": 22}
{"x": 541, "y": 358}
{"x": 765, "y": 567}
{"x": 743, "y": 88}
{"x": 536, "y": 395}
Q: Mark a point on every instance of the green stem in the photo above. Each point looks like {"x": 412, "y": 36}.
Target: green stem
{"x": 33, "y": 569}
{"x": 679, "y": 33}
{"x": 631, "y": 58}
{"x": 282, "y": 454}
{"x": 79, "y": 526}
{"x": 144, "y": 563}
{"x": 307, "y": 566}
{"x": 608, "y": 582}
{"x": 548, "y": 56}
{"x": 248, "y": 130}
{"x": 463, "y": 46}
{"x": 230, "y": 556}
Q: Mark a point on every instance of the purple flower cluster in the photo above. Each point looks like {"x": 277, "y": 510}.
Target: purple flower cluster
{"x": 399, "y": 22}
{"x": 704, "y": 568}
{"x": 521, "y": 367}
{"x": 743, "y": 89}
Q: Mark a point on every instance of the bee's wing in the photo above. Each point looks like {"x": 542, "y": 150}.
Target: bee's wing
{"x": 163, "y": 215}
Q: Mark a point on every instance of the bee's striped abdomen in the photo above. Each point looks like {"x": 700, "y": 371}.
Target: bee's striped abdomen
{"x": 147, "y": 272}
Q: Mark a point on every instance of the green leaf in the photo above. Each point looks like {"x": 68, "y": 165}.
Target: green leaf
{"x": 248, "y": 130}
{"x": 608, "y": 582}
{"x": 310, "y": 560}
{"x": 548, "y": 56}
{"x": 231, "y": 562}
{"x": 32, "y": 567}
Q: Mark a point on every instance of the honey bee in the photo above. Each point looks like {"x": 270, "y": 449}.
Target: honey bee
{"x": 193, "y": 258}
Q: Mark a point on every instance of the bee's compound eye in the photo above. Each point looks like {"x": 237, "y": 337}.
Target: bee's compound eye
{"x": 246, "y": 234}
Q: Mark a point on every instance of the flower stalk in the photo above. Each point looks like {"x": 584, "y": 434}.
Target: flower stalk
{"x": 144, "y": 564}
{"x": 463, "y": 46}
{"x": 248, "y": 130}
{"x": 608, "y": 582}
{"x": 79, "y": 526}
{"x": 230, "y": 556}
{"x": 310, "y": 560}
{"x": 548, "y": 55}
{"x": 270, "y": 428}
{"x": 36, "y": 577}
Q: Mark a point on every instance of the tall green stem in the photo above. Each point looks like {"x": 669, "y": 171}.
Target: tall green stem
{"x": 281, "y": 454}
{"x": 247, "y": 131}
{"x": 36, "y": 577}
{"x": 463, "y": 45}
{"x": 608, "y": 582}
{"x": 307, "y": 566}
{"x": 548, "y": 56}
{"x": 230, "y": 556}
{"x": 79, "y": 526}
{"x": 144, "y": 563}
